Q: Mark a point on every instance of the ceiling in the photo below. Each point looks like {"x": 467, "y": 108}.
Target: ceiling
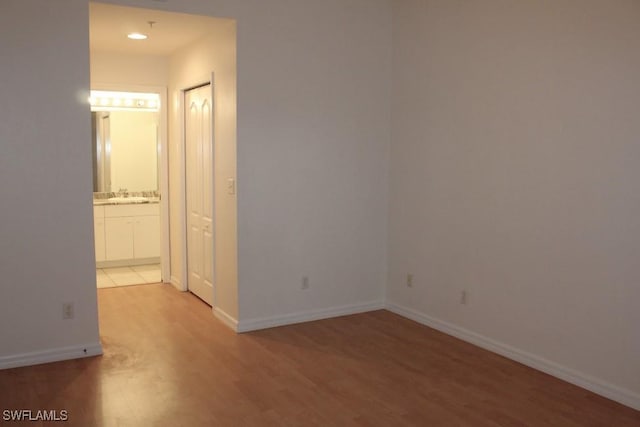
{"x": 109, "y": 26}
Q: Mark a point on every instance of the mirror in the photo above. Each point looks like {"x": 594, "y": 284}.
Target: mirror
{"x": 125, "y": 144}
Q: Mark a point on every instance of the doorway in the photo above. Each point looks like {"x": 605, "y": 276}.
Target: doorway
{"x": 199, "y": 191}
{"x": 182, "y": 52}
{"x": 129, "y": 171}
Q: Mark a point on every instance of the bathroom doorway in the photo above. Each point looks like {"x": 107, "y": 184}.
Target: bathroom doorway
{"x": 129, "y": 176}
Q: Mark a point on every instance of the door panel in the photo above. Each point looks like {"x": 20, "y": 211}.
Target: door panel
{"x": 119, "y": 238}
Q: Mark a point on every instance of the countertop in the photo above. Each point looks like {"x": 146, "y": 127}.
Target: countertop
{"x": 104, "y": 202}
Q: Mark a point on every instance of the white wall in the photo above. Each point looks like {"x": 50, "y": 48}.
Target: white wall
{"x": 109, "y": 68}
{"x": 191, "y": 66}
{"x": 313, "y": 137}
{"x": 46, "y": 237}
{"x": 515, "y": 176}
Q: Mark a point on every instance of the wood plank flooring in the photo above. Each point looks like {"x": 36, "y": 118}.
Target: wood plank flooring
{"x": 169, "y": 362}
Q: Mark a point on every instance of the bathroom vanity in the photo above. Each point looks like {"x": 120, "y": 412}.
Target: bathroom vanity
{"x": 126, "y": 233}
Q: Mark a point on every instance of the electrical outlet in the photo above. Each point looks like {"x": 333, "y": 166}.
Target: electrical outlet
{"x": 410, "y": 280}
{"x": 67, "y": 310}
{"x": 464, "y": 298}
{"x": 305, "y": 283}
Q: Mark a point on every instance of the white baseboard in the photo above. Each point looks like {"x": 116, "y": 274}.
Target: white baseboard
{"x": 228, "y": 320}
{"x": 51, "y": 355}
{"x": 610, "y": 391}
{"x": 127, "y": 262}
{"x": 176, "y": 284}
{"x": 307, "y": 316}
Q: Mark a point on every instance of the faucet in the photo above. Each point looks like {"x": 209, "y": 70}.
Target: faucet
{"x": 122, "y": 192}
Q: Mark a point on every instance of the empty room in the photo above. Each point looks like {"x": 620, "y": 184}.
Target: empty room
{"x": 363, "y": 212}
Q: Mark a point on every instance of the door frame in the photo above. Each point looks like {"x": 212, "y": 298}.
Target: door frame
{"x": 163, "y": 166}
{"x": 181, "y": 91}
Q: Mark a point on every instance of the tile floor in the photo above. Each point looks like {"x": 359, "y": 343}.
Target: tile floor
{"x": 127, "y": 276}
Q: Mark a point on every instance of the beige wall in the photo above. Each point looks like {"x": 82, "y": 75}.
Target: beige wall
{"x": 46, "y": 233}
{"x": 515, "y": 177}
{"x": 313, "y": 141}
{"x": 190, "y": 66}
{"x": 109, "y": 69}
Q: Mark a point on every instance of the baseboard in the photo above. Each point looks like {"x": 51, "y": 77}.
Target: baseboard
{"x": 610, "y": 391}
{"x": 52, "y": 355}
{"x": 307, "y": 316}
{"x": 176, "y": 283}
{"x": 225, "y": 318}
{"x": 127, "y": 262}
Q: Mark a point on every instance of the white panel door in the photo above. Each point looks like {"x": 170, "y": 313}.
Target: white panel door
{"x": 199, "y": 197}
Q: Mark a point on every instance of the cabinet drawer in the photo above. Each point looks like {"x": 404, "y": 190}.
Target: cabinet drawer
{"x": 111, "y": 211}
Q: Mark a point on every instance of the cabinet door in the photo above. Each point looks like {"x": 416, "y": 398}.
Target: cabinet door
{"x": 146, "y": 236}
{"x": 119, "y": 238}
{"x": 98, "y": 232}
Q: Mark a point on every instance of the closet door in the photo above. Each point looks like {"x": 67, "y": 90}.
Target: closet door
{"x": 199, "y": 191}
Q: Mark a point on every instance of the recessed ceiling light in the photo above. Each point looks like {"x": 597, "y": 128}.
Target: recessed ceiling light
{"x": 137, "y": 36}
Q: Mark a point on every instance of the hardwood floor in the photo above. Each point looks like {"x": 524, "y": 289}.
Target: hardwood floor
{"x": 169, "y": 362}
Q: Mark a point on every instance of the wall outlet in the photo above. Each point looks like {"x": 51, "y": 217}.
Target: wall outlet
{"x": 410, "y": 280}
{"x": 305, "y": 283}
{"x": 464, "y": 297}
{"x": 67, "y": 310}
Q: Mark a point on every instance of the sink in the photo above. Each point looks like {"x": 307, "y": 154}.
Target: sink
{"x": 128, "y": 200}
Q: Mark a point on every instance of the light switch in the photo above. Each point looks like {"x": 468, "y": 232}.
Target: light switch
{"x": 231, "y": 186}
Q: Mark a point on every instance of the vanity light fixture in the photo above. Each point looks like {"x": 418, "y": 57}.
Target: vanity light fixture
{"x": 137, "y": 36}
{"x": 131, "y": 101}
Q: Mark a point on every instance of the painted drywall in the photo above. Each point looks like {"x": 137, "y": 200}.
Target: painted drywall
{"x": 514, "y": 176}
{"x": 46, "y": 237}
{"x": 313, "y": 143}
{"x": 110, "y": 69}
{"x": 191, "y": 66}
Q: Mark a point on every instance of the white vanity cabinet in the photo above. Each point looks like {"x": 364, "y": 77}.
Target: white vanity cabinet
{"x": 119, "y": 238}
{"x": 132, "y": 233}
{"x": 146, "y": 236}
{"x": 98, "y": 232}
